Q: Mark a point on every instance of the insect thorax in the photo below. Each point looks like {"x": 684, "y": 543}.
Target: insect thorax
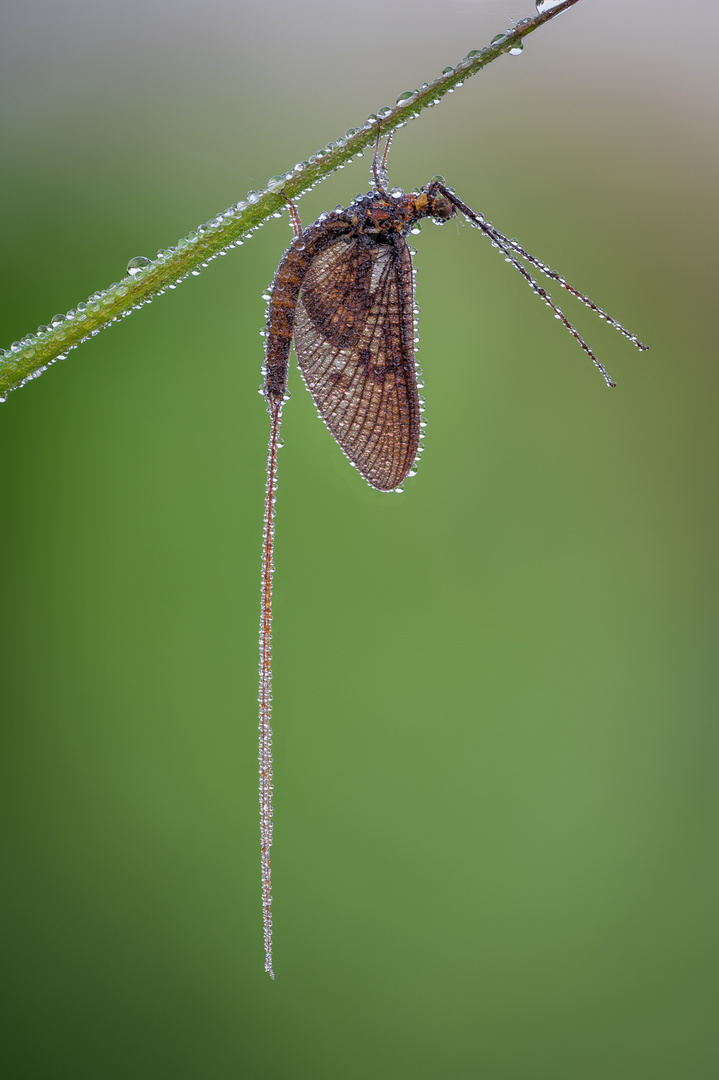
{"x": 379, "y": 212}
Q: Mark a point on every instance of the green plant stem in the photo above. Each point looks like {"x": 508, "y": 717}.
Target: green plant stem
{"x": 30, "y": 357}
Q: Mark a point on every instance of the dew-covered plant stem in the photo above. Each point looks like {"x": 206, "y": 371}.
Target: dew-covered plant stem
{"x": 146, "y": 279}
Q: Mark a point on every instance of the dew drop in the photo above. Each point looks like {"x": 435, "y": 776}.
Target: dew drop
{"x": 405, "y": 97}
{"x": 447, "y": 71}
{"x": 137, "y": 265}
{"x": 350, "y": 132}
{"x": 547, "y": 5}
{"x": 384, "y": 111}
{"x": 498, "y": 38}
{"x": 516, "y": 49}
{"x": 57, "y": 320}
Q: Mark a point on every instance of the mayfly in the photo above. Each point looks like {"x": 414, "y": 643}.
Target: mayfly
{"x": 344, "y": 295}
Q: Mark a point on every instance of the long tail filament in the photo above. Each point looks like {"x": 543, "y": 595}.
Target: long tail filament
{"x": 265, "y": 696}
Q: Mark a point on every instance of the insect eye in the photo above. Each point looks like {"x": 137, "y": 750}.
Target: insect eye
{"x": 442, "y": 209}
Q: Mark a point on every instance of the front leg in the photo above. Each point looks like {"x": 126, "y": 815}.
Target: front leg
{"x": 294, "y": 217}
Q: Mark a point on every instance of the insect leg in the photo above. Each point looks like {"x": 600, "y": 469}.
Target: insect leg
{"x": 510, "y": 249}
{"x": 383, "y": 165}
{"x": 295, "y": 219}
{"x": 379, "y": 167}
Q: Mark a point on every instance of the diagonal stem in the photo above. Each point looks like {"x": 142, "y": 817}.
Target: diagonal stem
{"x": 27, "y": 359}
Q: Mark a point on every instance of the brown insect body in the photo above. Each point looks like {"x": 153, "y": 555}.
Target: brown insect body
{"x": 344, "y": 293}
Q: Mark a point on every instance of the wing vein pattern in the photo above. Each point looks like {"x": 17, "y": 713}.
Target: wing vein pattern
{"x": 353, "y": 336}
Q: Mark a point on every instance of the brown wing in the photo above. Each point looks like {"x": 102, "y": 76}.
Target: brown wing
{"x": 353, "y": 337}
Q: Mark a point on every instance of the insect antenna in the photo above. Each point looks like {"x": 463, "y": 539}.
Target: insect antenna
{"x": 511, "y": 249}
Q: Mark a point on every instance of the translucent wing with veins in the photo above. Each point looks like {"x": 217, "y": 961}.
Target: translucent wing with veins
{"x": 353, "y": 336}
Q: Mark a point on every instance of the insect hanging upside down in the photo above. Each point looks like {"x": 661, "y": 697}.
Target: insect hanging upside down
{"x": 344, "y": 292}
{"x": 344, "y": 295}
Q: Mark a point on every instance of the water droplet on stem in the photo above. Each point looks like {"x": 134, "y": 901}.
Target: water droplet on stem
{"x": 136, "y": 266}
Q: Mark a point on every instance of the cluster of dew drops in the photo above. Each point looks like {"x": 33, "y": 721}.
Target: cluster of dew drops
{"x": 139, "y": 266}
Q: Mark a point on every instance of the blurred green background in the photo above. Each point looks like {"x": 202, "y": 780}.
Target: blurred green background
{"x": 495, "y": 706}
